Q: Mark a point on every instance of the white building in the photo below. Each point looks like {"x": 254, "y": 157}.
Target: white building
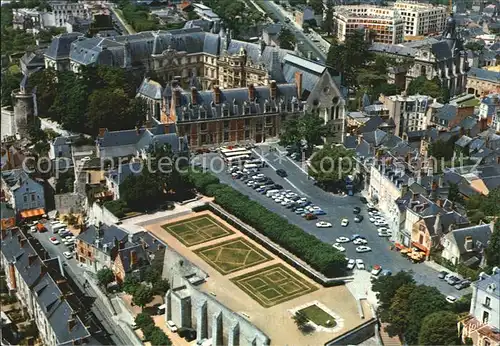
{"x": 22, "y": 192}
{"x": 466, "y": 244}
{"x": 410, "y": 113}
{"x": 63, "y": 10}
{"x": 421, "y": 19}
{"x": 483, "y": 323}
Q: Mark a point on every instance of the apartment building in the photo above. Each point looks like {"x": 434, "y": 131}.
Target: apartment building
{"x": 410, "y": 113}
{"x": 42, "y": 289}
{"x": 490, "y": 109}
{"x": 62, "y": 11}
{"x": 384, "y": 24}
{"x": 421, "y": 19}
{"x": 25, "y": 194}
{"x": 483, "y": 323}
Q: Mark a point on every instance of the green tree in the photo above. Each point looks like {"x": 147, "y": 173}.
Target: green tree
{"x": 286, "y": 39}
{"x": 387, "y": 286}
{"x": 142, "y": 296}
{"x": 143, "y": 320}
{"x": 423, "y": 86}
{"x": 302, "y": 323}
{"x": 10, "y": 81}
{"x": 160, "y": 287}
{"x": 309, "y": 127}
{"x": 474, "y": 46}
{"x": 159, "y": 338}
{"x": 462, "y": 305}
{"x": 493, "y": 249}
{"x": 105, "y": 276}
{"x": 317, "y": 6}
{"x": 142, "y": 191}
{"x": 454, "y": 193}
{"x": 398, "y": 313}
{"x": 439, "y": 328}
{"x": 331, "y": 165}
{"x": 130, "y": 284}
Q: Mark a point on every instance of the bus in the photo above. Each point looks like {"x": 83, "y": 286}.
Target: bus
{"x": 237, "y": 160}
{"x": 237, "y": 153}
{"x": 256, "y": 162}
{"x": 225, "y": 151}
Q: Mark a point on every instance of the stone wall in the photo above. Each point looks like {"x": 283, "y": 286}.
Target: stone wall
{"x": 99, "y": 213}
{"x": 70, "y": 203}
{"x": 8, "y": 124}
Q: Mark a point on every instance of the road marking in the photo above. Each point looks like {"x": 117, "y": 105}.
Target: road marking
{"x": 275, "y": 169}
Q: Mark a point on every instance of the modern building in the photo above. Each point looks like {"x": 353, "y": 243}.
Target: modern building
{"x": 410, "y": 113}
{"x": 25, "y": 194}
{"x": 466, "y": 245}
{"x": 205, "y": 12}
{"x": 421, "y": 19}
{"x": 40, "y": 286}
{"x": 483, "y": 323}
{"x": 383, "y": 24}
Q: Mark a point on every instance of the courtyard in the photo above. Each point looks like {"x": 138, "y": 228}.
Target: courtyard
{"x": 232, "y": 255}
{"x": 197, "y": 230}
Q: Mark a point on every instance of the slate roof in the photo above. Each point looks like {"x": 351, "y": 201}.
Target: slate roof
{"x": 33, "y": 59}
{"x": 205, "y": 25}
{"x": 6, "y": 211}
{"x": 372, "y": 124}
{"x": 46, "y": 292}
{"x": 108, "y": 236}
{"x": 123, "y": 171}
{"x": 272, "y": 29}
{"x": 447, "y": 112}
{"x": 476, "y": 144}
{"x": 486, "y": 285}
{"x": 14, "y": 178}
{"x": 481, "y": 234}
{"x": 150, "y": 242}
{"x": 235, "y": 101}
{"x": 350, "y": 142}
{"x": 375, "y": 138}
{"x": 490, "y": 76}
{"x": 61, "y": 44}
{"x": 393, "y": 49}
{"x": 126, "y": 257}
{"x": 120, "y": 138}
{"x": 463, "y": 141}
{"x": 151, "y": 89}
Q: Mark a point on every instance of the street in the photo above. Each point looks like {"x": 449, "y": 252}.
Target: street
{"x": 307, "y": 44}
{"x": 336, "y": 208}
{"x": 75, "y": 272}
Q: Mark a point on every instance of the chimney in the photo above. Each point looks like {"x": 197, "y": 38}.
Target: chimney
{"x": 439, "y": 202}
{"x": 468, "y": 244}
{"x": 404, "y": 189}
{"x": 440, "y": 181}
{"x": 216, "y": 94}
{"x": 121, "y": 245}
{"x": 414, "y": 196}
{"x": 102, "y": 131}
{"x": 437, "y": 224}
{"x": 251, "y": 92}
{"x": 360, "y": 139}
{"x": 31, "y": 259}
{"x": 133, "y": 257}
{"x": 298, "y": 84}
{"x": 193, "y": 95}
{"x": 12, "y": 275}
{"x": 483, "y": 124}
{"x": 273, "y": 90}
{"x": 177, "y": 95}
{"x": 71, "y": 324}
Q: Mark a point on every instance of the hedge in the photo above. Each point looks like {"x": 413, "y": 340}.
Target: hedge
{"x": 320, "y": 256}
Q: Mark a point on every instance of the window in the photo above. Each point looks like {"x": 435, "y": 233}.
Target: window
{"x": 269, "y": 121}
{"x": 226, "y": 136}
{"x": 486, "y": 342}
{"x": 486, "y": 316}
{"x": 487, "y": 301}
{"x": 25, "y": 198}
{"x": 247, "y": 122}
{"x": 247, "y": 134}
{"x": 203, "y": 126}
{"x": 226, "y": 125}
{"x": 225, "y": 112}
{"x": 204, "y": 139}
{"x": 32, "y": 198}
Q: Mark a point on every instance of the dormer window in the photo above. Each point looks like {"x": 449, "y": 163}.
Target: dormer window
{"x": 202, "y": 112}
{"x": 268, "y": 107}
{"x": 225, "y": 111}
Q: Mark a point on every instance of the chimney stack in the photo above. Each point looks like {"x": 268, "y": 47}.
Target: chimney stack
{"x": 483, "y": 124}
{"x": 71, "y": 324}
{"x": 216, "y": 94}
{"x": 251, "y": 92}
{"x": 360, "y": 138}
{"x": 469, "y": 244}
{"x": 298, "y": 84}
{"x": 274, "y": 90}
{"x": 12, "y": 275}
{"x": 193, "y": 95}
{"x": 32, "y": 258}
{"x": 133, "y": 257}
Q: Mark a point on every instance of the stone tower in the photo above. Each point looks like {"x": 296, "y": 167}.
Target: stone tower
{"x": 24, "y": 104}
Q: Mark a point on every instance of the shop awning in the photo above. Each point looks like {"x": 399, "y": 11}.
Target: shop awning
{"x": 26, "y": 214}
{"x": 420, "y": 247}
{"x": 399, "y": 246}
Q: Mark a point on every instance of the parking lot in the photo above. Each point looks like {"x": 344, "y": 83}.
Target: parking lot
{"x": 336, "y": 208}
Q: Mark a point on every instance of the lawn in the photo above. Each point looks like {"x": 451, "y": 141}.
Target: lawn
{"x": 197, "y": 230}
{"x": 318, "y": 316}
{"x": 232, "y": 255}
{"x": 471, "y": 103}
{"x": 273, "y": 285}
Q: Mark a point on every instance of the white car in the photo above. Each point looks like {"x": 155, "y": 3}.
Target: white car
{"x": 323, "y": 224}
{"x": 360, "y": 264}
{"x": 382, "y": 229}
{"x": 380, "y": 223}
{"x": 171, "y": 325}
{"x": 338, "y": 247}
{"x": 344, "y": 222}
{"x": 350, "y": 264}
{"x": 360, "y": 241}
{"x": 451, "y": 299}
{"x": 370, "y": 205}
{"x": 372, "y": 219}
{"x": 67, "y": 254}
{"x": 376, "y": 270}
{"x": 385, "y": 234}
{"x": 342, "y": 240}
{"x": 363, "y": 248}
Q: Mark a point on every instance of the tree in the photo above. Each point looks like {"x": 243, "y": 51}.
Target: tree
{"x": 398, "y": 314}
{"x": 159, "y": 338}
{"x": 105, "y": 276}
{"x": 130, "y": 284}
{"x": 161, "y": 287}
{"x": 327, "y": 24}
{"x": 286, "y": 39}
{"x": 302, "y": 323}
{"x": 142, "y": 191}
{"x": 10, "y": 80}
{"x": 493, "y": 249}
{"x": 330, "y": 166}
{"x": 143, "y": 320}
{"x": 309, "y": 127}
{"x": 142, "y": 296}
{"x": 317, "y": 6}
{"x": 454, "y": 193}
{"x": 439, "y": 328}
{"x": 387, "y": 286}
{"x": 474, "y": 46}
{"x": 462, "y": 305}
{"x": 433, "y": 88}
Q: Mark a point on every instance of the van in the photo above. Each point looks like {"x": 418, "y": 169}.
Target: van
{"x": 58, "y": 227}
{"x": 271, "y": 193}
{"x": 171, "y": 325}
{"x": 160, "y": 310}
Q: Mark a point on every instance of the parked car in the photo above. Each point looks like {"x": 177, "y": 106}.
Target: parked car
{"x": 281, "y": 172}
{"x": 453, "y": 280}
{"x": 442, "y": 274}
{"x": 376, "y": 270}
{"x": 171, "y": 325}
{"x": 358, "y": 218}
{"x": 360, "y": 264}
{"x": 386, "y": 272}
{"x": 363, "y": 200}
{"x": 356, "y": 236}
{"x": 310, "y": 216}
{"x": 363, "y": 248}
{"x": 462, "y": 284}
{"x": 360, "y": 241}
{"x": 67, "y": 254}
{"x": 338, "y": 247}
{"x": 451, "y": 299}
{"x": 350, "y": 264}
{"x": 356, "y": 210}
{"x": 344, "y": 222}
{"x": 323, "y": 224}
{"x": 54, "y": 241}
{"x": 342, "y": 240}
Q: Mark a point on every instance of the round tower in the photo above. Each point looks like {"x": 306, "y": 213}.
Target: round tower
{"x": 24, "y": 111}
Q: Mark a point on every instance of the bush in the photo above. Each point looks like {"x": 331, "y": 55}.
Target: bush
{"x": 118, "y": 208}
{"x": 307, "y": 247}
{"x": 143, "y": 320}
